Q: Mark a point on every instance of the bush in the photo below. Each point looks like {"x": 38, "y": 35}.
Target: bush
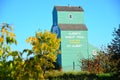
{"x": 56, "y": 75}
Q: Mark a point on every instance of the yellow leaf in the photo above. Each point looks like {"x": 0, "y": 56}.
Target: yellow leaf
{"x": 39, "y": 34}
{"x": 28, "y": 39}
{"x": 22, "y": 63}
{"x": 1, "y": 52}
{"x": 1, "y": 39}
{"x": 44, "y": 46}
{"x": 3, "y": 31}
{"x": 12, "y": 34}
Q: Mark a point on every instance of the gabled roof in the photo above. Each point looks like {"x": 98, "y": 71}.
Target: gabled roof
{"x": 68, "y": 8}
{"x": 76, "y": 27}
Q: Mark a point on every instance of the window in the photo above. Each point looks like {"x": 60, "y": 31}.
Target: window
{"x": 70, "y": 16}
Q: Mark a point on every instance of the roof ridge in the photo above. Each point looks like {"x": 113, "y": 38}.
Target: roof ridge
{"x": 73, "y": 27}
{"x": 69, "y": 8}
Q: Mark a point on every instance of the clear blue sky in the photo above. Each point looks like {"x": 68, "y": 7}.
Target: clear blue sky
{"x": 100, "y": 16}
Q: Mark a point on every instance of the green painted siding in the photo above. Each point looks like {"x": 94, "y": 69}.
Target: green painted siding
{"x": 77, "y": 17}
{"x": 92, "y": 50}
{"x": 74, "y": 47}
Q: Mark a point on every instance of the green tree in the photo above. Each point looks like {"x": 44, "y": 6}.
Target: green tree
{"x": 114, "y": 51}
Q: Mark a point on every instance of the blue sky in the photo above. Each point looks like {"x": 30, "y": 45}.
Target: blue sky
{"x": 27, "y": 16}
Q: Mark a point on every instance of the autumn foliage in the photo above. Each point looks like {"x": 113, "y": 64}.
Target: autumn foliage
{"x": 45, "y": 47}
{"x": 98, "y": 64}
{"x": 106, "y": 61}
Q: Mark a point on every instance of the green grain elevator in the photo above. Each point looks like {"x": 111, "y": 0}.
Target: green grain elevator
{"x": 68, "y": 24}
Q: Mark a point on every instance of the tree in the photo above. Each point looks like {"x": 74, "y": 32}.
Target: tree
{"x": 109, "y": 61}
{"x": 10, "y": 69}
{"x": 7, "y": 37}
{"x": 44, "y": 47}
{"x": 97, "y": 64}
{"x": 114, "y": 47}
{"x": 114, "y": 51}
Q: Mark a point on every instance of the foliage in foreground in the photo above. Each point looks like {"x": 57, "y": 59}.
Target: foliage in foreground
{"x": 45, "y": 47}
{"x": 81, "y": 76}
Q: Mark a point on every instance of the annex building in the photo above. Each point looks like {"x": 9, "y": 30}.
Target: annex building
{"x": 68, "y": 24}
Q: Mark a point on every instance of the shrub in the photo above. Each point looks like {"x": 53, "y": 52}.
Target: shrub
{"x": 81, "y": 76}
